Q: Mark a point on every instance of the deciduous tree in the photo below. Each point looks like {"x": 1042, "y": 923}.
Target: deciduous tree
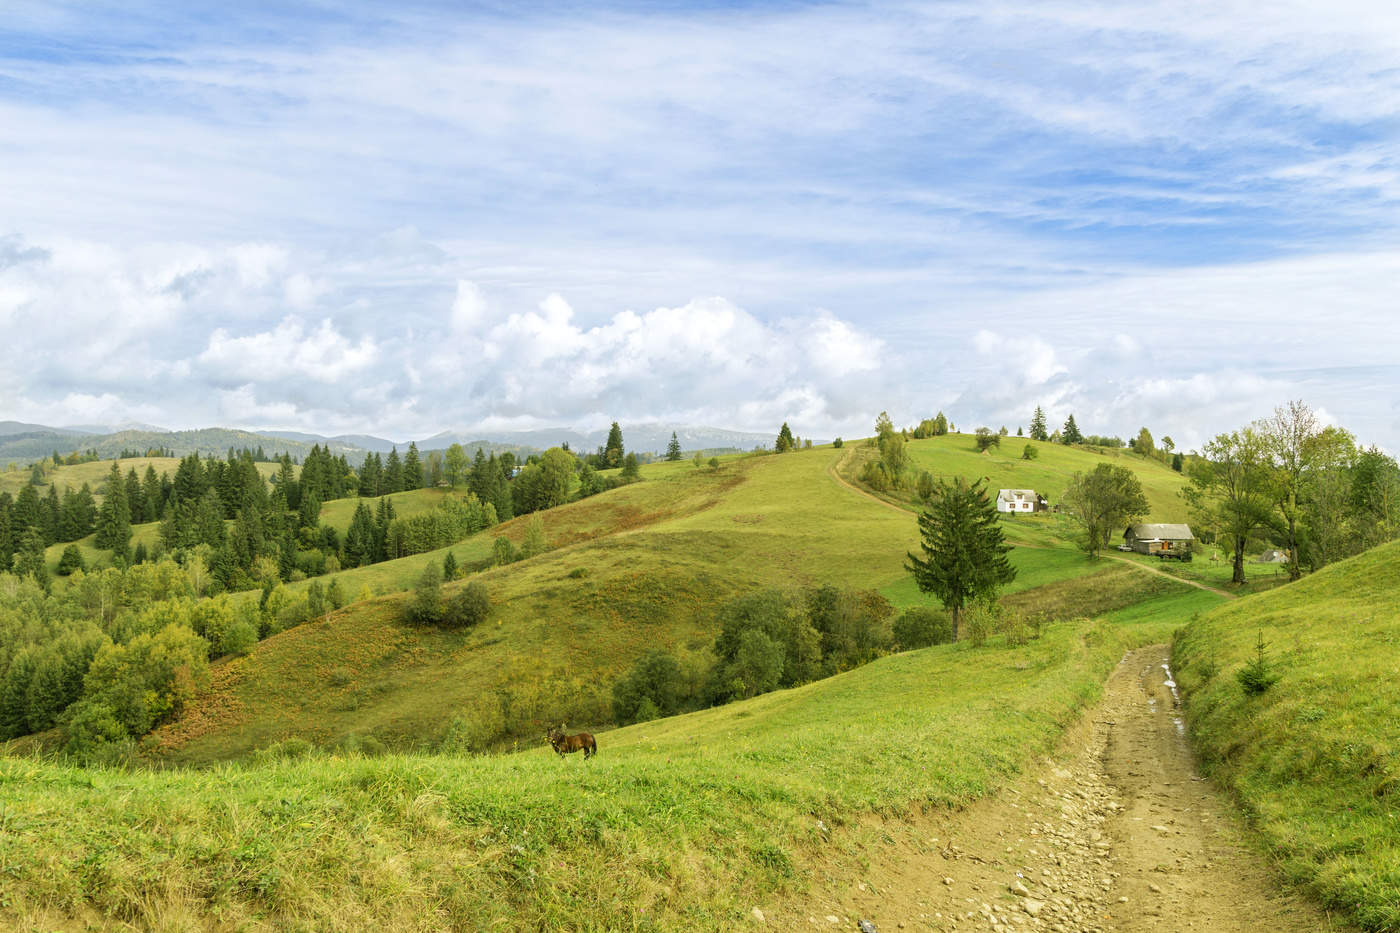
{"x": 1103, "y": 500}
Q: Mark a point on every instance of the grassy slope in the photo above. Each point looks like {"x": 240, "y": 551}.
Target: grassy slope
{"x": 1317, "y": 758}
{"x": 680, "y": 823}
{"x": 658, "y": 557}
{"x": 1048, "y": 474}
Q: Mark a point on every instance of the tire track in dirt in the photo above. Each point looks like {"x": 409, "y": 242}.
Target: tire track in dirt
{"x": 1116, "y": 833}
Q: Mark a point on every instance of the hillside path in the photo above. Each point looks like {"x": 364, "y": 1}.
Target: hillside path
{"x": 834, "y": 472}
{"x": 1116, "y": 833}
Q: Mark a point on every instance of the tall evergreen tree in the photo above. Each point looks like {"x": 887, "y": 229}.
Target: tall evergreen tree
{"x": 613, "y": 451}
{"x": 135, "y": 499}
{"x": 964, "y": 553}
{"x": 785, "y": 441}
{"x": 359, "y": 538}
{"x": 393, "y": 472}
{"x": 673, "y": 449}
{"x": 114, "y": 518}
{"x": 27, "y": 512}
{"x": 49, "y": 513}
{"x": 1038, "y": 429}
{"x": 150, "y": 492}
{"x": 29, "y": 558}
{"x": 412, "y": 468}
{"x": 371, "y": 477}
{"x": 1069, "y": 434}
{"x": 7, "y": 536}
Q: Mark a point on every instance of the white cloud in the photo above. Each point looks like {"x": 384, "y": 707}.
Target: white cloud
{"x": 287, "y": 351}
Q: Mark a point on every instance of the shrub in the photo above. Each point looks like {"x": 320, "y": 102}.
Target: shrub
{"x": 652, "y": 689}
{"x": 449, "y": 566}
{"x": 838, "y": 443}
{"x": 978, "y": 621}
{"x": 503, "y": 552}
{"x": 578, "y": 573}
{"x": 534, "y": 542}
{"x": 425, "y": 608}
{"x": 922, "y": 626}
{"x": 924, "y": 486}
{"x": 714, "y": 463}
{"x": 469, "y": 607}
{"x": 1029, "y": 452}
{"x": 1012, "y": 623}
{"x": 239, "y": 638}
{"x": 94, "y": 731}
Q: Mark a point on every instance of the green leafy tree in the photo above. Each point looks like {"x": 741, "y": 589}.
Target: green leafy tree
{"x": 673, "y": 449}
{"x": 1069, "y": 434}
{"x": 1230, "y": 488}
{"x": 1104, "y": 500}
{"x": 534, "y": 541}
{"x": 455, "y": 466}
{"x": 1143, "y": 443}
{"x": 920, "y": 627}
{"x": 631, "y": 469}
{"x": 785, "y": 441}
{"x": 964, "y": 555}
{"x": 940, "y": 425}
{"x": 652, "y": 688}
{"x": 1029, "y": 452}
{"x": 987, "y": 439}
{"x": 1291, "y": 437}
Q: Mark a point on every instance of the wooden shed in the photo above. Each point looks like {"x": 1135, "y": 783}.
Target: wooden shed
{"x": 1161, "y": 540}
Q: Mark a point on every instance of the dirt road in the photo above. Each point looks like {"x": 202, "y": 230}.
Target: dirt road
{"x": 1117, "y": 832}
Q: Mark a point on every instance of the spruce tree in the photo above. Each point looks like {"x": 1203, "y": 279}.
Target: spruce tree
{"x": 1069, "y": 434}
{"x": 673, "y": 449}
{"x": 135, "y": 499}
{"x": 785, "y": 441}
{"x": 613, "y": 451}
{"x": 964, "y": 553}
{"x": 412, "y": 468}
{"x": 7, "y": 538}
{"x": 49, "y": 514}
{"x": 114, "y": 519}
{"x": 1038, "y": 430}
{"x": 393, "y": 472}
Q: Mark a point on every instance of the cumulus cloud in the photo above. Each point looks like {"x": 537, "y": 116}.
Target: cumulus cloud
{"x": 288, "y": 351}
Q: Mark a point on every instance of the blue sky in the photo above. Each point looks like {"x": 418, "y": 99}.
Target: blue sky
{"x": 409, "y": 218}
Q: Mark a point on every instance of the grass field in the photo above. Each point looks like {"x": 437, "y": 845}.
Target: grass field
{"x": 1049, "y": 474}
{"x": 640, "y": 567}
{"x": 1315, "y": 759}
{"x": 684, "y": 823}
{"x": 96, "y": 472}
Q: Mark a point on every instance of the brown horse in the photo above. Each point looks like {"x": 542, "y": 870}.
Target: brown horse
{"x": 566, "y": 744}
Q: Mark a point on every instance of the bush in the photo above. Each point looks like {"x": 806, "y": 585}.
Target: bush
{"x": 239, "y": 638}
{"x": 94, "y": 732}
{"x": 921, "y": 627}
{"x": 503, "y": 552}
{"x": 469, "y": 607}
{"x": 978, "y": 622}
{"x": 425, "y": 608}
{"x": 838, "y": 443}
{"x": 1029, "y": 452}
{"x": 652, "y": 689}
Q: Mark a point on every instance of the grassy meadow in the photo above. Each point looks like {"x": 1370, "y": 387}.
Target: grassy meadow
{"x": 1049, "y": 474}
{"x": 1316, "y": 758}
{"x": 684, "y": 823}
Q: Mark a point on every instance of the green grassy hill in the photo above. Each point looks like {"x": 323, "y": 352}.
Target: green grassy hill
{"x": 1049, "y": 474}
{"x": 1317, "y": 757}
{"x": 684, "y": 823}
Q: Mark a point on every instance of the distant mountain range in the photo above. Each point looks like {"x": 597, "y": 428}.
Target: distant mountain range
{"x": 22, "y": 442}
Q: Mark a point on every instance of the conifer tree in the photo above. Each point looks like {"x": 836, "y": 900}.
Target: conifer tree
{"x": 785, "y": 441}
{"x": 393, "y": 472}
{"x": 673, "y": 449}
{"x": 135, "y": 500}
{"x": 412, "y": 468}
{"x": 26, "y": 513}
{"x": 964, "y": 553}
{"x": 7, "y": 538}
{"x": 114, "y": 519}
{"x": 613, "y": 451}
{"x": 1038, "y": 430}
{"x": 49, "y": 514}
{"x": 455, "y": 467}
{"x": 1069, "y": 434}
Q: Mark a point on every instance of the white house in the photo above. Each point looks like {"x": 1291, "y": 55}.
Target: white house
{"x": 1020, "y": 500}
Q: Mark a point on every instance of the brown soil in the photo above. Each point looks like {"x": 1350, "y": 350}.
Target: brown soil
{"x": 1116, "y": 832}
